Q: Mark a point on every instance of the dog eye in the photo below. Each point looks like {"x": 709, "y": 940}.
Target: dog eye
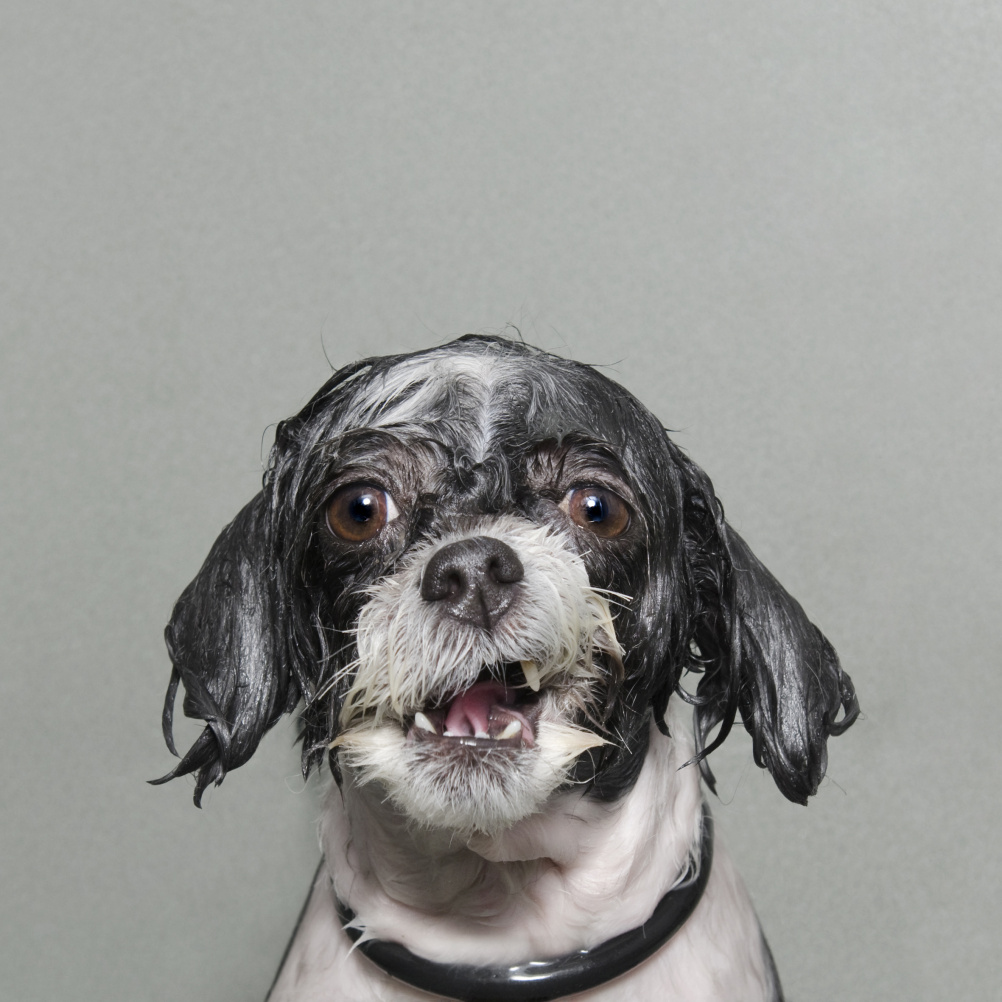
{"x": 598, "y": 509}
{"x": 358, "y": 512}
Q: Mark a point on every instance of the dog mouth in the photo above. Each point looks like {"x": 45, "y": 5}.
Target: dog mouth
{"x": 500, "y": 710}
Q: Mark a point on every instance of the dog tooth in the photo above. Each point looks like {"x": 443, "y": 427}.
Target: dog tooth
{"x": 531, "y": 672}
{"x": 514, "y": 727}
{"x": 420, "y": 720}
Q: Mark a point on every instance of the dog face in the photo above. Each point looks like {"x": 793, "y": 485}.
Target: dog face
{"x": 483, "y": 568}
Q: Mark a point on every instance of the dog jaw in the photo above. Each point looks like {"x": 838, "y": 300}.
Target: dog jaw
{"x": 464, "y": 787}
{"x": 455, "y": 739}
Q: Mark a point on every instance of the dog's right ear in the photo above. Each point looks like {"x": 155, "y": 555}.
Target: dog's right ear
{"x": 227, "y": 642}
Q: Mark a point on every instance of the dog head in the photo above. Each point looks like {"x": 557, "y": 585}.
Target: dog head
{"x": 483, "y": 568}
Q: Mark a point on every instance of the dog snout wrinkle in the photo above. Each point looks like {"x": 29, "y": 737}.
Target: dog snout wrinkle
{"x": 473, "y": 579}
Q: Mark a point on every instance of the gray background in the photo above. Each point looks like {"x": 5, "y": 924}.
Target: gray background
{"x": 778, "y": 222}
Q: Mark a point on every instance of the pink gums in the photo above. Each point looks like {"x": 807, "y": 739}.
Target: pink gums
{"x": 470, "y": 712}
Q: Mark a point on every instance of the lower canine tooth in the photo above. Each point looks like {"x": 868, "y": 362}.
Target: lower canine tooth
{"x": 531, "y": 672}
{"x": 513, "y": 728}
{"x": 420, "y": 720}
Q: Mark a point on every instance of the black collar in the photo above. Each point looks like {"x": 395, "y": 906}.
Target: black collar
{"x": 543, "y": 980}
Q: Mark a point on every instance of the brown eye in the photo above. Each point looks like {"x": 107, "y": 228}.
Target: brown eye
{"x": 358, "y": 512}
{"x": 595, "y": 508}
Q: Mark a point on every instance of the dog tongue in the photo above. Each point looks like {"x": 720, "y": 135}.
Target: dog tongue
{"x": 469, "y": 712}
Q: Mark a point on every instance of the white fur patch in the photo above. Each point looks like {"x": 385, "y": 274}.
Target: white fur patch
{"x": 410, "y": 391}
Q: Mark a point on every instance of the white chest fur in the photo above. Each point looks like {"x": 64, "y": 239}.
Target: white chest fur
{"x": 566, "y": 879}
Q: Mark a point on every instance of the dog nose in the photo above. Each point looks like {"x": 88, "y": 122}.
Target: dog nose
{"x": 474, "y": 579}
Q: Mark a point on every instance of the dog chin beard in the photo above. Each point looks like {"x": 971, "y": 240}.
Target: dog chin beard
{"x": 468, "y": 790}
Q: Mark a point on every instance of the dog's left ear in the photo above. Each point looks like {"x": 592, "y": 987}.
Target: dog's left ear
{"x": 226, "y": 640}
{"x": 760, "y": 655}
{"x": 791, "y": 687}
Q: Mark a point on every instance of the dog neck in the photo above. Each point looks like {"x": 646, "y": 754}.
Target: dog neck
{"x": 568, "y": 878}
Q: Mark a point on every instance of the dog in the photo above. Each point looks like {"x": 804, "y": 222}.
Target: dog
{"x": 484, "y": 571}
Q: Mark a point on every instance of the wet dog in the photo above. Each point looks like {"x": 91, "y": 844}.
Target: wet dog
{"x": 484, "y": 572}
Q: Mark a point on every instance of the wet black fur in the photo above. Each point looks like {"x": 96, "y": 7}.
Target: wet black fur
{"x": 266, "y": 622}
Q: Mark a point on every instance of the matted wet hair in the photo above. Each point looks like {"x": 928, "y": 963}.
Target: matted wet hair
{"x": 266, "y": 623}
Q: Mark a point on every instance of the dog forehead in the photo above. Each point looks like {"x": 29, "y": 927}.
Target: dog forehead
{"x": 421, "y": 389}
{"x": 495, "y": 397}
